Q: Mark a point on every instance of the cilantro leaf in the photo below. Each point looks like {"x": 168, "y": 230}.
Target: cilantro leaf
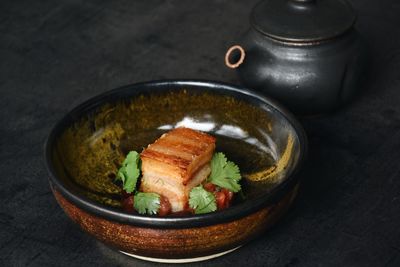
{"x": 224, "y": 173}
{"x": 201, "y": 200}
{"x": 121, "y": 175}
{"x": 129, "y": 171}
{"x": 146, "y": 203}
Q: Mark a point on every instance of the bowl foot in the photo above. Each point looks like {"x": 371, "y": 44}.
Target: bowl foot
{"x": 185, "y": 260}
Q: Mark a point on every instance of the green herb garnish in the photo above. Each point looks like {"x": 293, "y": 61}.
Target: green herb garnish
{"x": 147, "y": 203}
{"x": 224, "y": 173}
{"x": 201, "y": 200}
{"x": 129, "y": 171}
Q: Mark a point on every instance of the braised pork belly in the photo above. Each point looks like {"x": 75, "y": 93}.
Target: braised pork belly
{"x": 175, "y": 163}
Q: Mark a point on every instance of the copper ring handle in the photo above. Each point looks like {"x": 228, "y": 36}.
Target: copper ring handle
{"x": 229, "y": 52}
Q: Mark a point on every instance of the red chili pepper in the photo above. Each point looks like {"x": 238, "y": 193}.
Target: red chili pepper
{"x": 127, "y": 204}
{"x": 210, "y": 187}
{"x": 221, "y": 199}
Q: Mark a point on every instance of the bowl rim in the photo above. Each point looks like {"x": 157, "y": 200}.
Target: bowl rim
{"x": 224, "y": 216}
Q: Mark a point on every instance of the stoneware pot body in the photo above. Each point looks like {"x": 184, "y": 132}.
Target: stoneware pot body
{"x": 86, "y": 148}
{"x": 305, "y": 53}
{"x": 309, "y": 78}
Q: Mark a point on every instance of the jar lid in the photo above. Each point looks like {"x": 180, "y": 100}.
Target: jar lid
{"x": 302, "y": 20}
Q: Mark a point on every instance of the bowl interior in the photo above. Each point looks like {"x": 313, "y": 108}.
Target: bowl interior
{"x": 88, "y": 146}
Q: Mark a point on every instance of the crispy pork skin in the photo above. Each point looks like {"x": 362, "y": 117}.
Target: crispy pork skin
{"x": 175, "y": 163}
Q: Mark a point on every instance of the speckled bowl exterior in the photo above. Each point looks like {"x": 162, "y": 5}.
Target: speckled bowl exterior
{"x": 87, "y": 146}
{"x": 178, "y": 243}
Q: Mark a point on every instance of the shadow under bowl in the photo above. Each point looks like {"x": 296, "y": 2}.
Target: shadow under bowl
{"x": 87, "y": 146}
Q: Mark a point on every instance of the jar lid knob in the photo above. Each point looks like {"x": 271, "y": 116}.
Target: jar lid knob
{"x": 302, "y": 20}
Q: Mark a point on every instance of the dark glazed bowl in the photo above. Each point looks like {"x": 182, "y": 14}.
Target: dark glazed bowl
{"x": 87, "y": 146}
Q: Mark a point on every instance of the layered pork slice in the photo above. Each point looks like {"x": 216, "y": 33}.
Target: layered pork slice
{"x": 175, "y": 163}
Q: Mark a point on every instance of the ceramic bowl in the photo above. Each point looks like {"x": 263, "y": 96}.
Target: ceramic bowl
{"x": 87, "y": 146}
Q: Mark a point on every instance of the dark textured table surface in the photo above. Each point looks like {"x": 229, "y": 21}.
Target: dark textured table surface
{"x": 56, "y": 54}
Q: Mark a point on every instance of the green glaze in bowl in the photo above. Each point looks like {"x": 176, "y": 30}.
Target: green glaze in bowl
{"x": 86, "y": 148}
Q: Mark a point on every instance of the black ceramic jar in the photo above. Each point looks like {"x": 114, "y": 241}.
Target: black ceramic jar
{"x": 305, "y": 53}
